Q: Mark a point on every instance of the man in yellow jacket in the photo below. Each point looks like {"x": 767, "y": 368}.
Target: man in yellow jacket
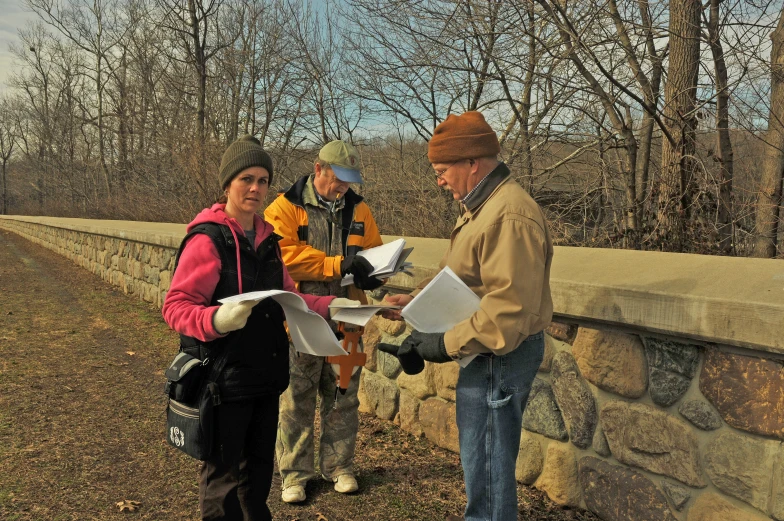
{"x": 501, "y": 248}
{"x": 324, "y": 224}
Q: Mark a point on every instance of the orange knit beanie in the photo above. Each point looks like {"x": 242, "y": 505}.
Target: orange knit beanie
{"x": 467, "y": 136}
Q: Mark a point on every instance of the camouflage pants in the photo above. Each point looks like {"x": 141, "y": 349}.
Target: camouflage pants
{"x": 312, "y": 376}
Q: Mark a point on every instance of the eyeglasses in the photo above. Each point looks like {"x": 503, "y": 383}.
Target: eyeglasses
{"x": 439, "y": 173}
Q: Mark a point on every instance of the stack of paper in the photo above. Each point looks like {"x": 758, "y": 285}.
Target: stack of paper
{"x": 387, "y": 259}
{"x": 309, "y": 332}
{"x": 358, "y": 314}
{"x": 441, "y": 305}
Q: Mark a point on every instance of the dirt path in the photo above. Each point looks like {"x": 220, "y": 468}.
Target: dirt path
{"x": 81, "y": 416}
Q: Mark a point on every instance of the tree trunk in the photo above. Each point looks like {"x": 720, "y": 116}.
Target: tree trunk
{"x": 99, "y": 93}
{"x": 201, "y": 70}
{"x": 644, "y": 155}
{"x": 724, "y": 153}
{"x": 41, "y": 174}
{"x": 651, "y": 97}
{"x": 200, "y": 64}
{"x": 676, "y": 183}
{"x": 769, "y": 195}
{"x": 525, "y": 123}
{"x": 5, "y": 189}
{"x": 123, "y": 126}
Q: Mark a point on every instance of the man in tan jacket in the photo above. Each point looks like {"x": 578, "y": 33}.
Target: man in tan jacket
{"x": 501, "y": 248}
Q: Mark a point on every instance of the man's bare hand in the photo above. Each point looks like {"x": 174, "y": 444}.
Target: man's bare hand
{"x": 396, "y": 300}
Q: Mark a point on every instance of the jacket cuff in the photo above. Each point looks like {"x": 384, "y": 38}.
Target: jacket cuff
{"x": 209, "y": 328}
{"x": 452, "y": 345}
{"x": 332, "y": 267}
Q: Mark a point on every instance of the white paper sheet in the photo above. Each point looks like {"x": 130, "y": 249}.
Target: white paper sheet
{"x": 309, "y": 332}
{"x": 441, "y": 305}
{"x": 384, "y": 259}
{"x": 359, "y": 315}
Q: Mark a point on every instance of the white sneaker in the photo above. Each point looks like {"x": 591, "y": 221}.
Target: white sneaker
{"x": 346, "y": 483}
{"x": 293, "y": 494}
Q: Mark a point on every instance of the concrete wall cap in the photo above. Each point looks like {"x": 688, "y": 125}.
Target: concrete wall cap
{"x": 730, "y": 300}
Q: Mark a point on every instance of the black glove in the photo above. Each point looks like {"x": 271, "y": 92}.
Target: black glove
{"x": 368, "y": 283}
{"x": 355, "y": 264}
{"x": 360, "y": 267}
{"x": 409, "y": 359}
{"x": 418, "y": 347}
{"x": 430, "y": 346}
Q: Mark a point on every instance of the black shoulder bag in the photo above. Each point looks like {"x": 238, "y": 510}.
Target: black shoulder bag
{"x": 192, "y": 393}
{"x": 191, "y": 402}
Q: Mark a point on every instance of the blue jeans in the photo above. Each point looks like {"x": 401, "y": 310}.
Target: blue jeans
{"x": 491, "y": 395}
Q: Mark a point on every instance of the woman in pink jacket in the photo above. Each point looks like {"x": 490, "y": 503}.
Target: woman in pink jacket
{"x": 230, "y": 249}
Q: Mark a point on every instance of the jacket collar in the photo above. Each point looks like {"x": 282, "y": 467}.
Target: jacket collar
{"x": 486, "y": 187}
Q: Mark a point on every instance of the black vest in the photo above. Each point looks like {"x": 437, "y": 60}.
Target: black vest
{"x": 258, "y": 354}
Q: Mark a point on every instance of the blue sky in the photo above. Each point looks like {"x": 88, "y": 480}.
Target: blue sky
{"x": 13, "y": 16}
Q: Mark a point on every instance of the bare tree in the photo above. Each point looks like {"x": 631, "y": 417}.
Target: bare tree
{"x": 8, "y": 136}
{"x": 93, "y": 27}
{"x": 141, "y": 97}
{"x": 768, "y": 207}
{"x": 619, "y": 118}
{"x": 676, "y": 186}
{"x": 323, "y": 66}
{"x": 201, "y": 36}
{"x": 35, "y": 84}
{"x": 650, "y": 88}
{"x": 724, "y": 154}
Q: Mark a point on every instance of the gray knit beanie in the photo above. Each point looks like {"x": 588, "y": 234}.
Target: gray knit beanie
{"x": 243, "y": 153}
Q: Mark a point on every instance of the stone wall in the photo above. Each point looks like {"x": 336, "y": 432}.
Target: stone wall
{"x": 660, "y": 396}
{"x": 630, "y": 426}
{"x": 136, "y": 257}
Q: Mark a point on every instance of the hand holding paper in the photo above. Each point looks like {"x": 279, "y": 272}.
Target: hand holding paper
{"x": 386, "y": 260}
{"x": 395, "y": 302}
{"x": 441, "y": 305}
{"x": 358, "y": 315}
{"x": 232, "y": 316}
{"x": 309, "y": 332}
{"x": 339, "y": 303}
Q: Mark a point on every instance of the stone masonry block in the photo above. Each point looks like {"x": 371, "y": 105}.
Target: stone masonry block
{"x": 612, "y": 361}
{"x": 574, "y": 399}
{"x": 559, "y": 478}
{"x": 438, "y": 421}
{"x": 644, "y": 436}
{"x": 616, "y": 493}
{"x": 747, "y": 391}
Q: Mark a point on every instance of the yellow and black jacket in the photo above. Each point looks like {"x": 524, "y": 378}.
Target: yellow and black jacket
{"x": 316, "y": 237}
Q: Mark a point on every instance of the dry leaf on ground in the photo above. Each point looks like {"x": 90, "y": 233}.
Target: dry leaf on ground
{"x": 129, "y": 505}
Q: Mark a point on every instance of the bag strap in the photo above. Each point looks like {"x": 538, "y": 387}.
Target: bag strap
{"x": 217, "y": 366}
{"x": 214, "y": 231}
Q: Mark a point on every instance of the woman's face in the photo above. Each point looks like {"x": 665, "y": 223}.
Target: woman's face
{"x": 247, "y": 190}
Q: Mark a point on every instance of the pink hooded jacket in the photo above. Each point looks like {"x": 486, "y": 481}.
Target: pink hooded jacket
{"x": 187, "y": 307}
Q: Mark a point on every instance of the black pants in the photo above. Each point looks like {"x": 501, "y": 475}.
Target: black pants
{"x": 235, "y": 483}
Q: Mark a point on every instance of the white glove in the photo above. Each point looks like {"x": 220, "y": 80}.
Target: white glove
{"x": 338, "y": 303}
{"x": 232, "y": 316}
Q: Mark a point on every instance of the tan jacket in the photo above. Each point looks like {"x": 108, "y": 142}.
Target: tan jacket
{"x": 501, "y": 248}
